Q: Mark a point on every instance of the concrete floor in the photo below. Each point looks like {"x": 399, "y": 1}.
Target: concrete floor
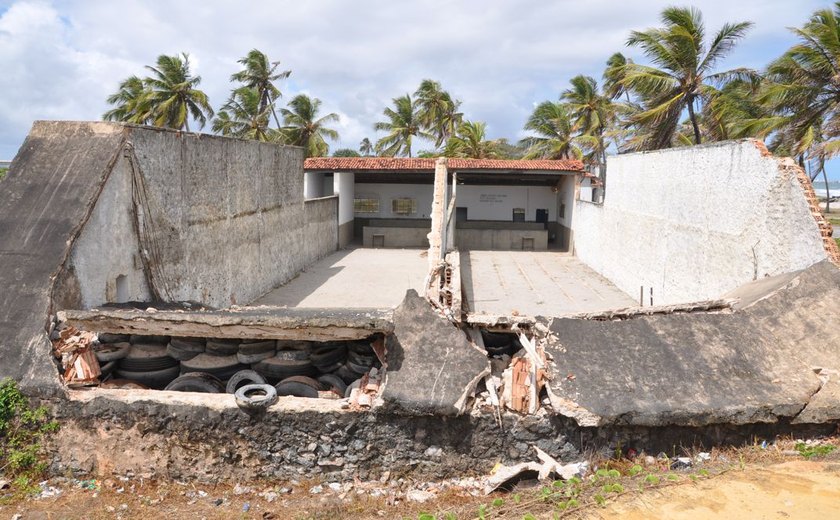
{"x": 541, "y": 283}
{"x": 354, "y": 279}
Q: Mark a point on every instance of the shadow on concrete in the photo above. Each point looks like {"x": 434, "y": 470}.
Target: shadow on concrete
{"x": 306, "y": 283}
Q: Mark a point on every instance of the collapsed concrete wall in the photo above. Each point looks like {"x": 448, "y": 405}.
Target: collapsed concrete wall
{"x": 185, "y": 217}
{"x": 693, "y": 223}
{"x": 775, "y": 359}
{"x": 93, "y": 213}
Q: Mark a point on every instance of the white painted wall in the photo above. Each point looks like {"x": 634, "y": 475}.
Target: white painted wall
{"x": 107, "y": 246}
{"x": 697, "y": 222}
{"x": 497, "y": 202}
{"x": 483, "y": 202}
{"x": 422, "y": 193}
{"x": 566, "y": 196}
{"x": 313, "y": 185}
{"x": 343, "y": 186}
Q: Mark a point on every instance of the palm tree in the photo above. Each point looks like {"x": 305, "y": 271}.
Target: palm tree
{"x": 242, "y": 116}
{"x": 593, "y": 114}
{"x": 469, "y": 142}
{"x": 260, "y": 74}
{"x": 173, "y": 95}
{"x": 303, "y": 127}
{"x": 366, "y": 147}
{"x": 614, "y": 76}
{"x": 681, "y": 71}
{"x": 802, "y": 92}
{"x": 131, "y": 102}
{"x": 552, "y": 124}
{"x": 402, "y": 126}
{"x": 437, "y": 111}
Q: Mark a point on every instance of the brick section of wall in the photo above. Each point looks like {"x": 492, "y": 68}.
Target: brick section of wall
{"x": 830, "y": 245}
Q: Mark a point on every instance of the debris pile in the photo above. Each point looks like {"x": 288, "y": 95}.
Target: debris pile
{"x": 80, "y": 365}
{"x": 518, "y": 373}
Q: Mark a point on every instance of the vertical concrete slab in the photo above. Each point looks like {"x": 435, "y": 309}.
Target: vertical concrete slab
{"x": 45, "y": 200}
{"x": 344, "y": 186}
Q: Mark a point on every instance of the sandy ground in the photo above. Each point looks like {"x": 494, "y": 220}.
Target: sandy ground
{"x": 798, "y": 489}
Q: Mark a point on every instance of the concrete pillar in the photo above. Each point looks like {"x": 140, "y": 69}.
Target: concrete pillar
{"x": 438, "y": 214}
{"x": 313, "y": 183}
{"x": 344, "y": 185}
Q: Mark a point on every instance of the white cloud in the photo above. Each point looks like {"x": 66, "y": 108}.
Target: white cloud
{"x": 61, "y": 59}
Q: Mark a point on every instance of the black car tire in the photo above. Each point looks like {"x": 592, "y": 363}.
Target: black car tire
{"x": 201, "y": 382}
{"x": 255, "y": 398}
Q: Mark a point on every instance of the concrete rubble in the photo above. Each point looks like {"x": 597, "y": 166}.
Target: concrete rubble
{"x": 432, "y": 367}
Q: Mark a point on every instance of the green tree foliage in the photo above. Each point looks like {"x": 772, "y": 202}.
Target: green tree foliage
{"x": 366, "y": 147}
{"x": 260, "y": 74}
{"x": 802, "y": 93}
{"x": 346, "y": 152}
{"x": 174, "y": 95}
{"x": 552, "y": 129}
{"x": 681, "y": 75}
{"x": 437, "y": 111}
{"x": 470, "y": 142}
{"x": 244, "y": 116}
{"x": 302, "y": 126}
{"x": 168, "y": 97}
{"x": 130, "y": 102}
{"x": 593, "y": 115}
{"x": 402, "y": 125}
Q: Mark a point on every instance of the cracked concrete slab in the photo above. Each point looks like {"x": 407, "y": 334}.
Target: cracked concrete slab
{"x": 755, "y": 365}
{"x": 432, "y": 367}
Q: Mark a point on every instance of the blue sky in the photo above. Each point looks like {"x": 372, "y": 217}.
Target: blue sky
{"x": 61, "y": 59}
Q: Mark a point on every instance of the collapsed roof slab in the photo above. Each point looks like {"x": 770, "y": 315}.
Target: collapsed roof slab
{"x": 754, "y": 365}
{"x": 247, "y": 322}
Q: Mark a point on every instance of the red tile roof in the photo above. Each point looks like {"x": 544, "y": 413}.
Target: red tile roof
{"x": 402, "y": 163}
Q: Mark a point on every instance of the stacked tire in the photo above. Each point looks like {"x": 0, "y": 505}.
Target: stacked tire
{"x": 146, "y": 361}
{"x": 297, "y": 368}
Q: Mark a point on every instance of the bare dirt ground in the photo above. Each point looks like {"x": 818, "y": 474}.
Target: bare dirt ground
{"x": 770, "y": 482}
{"x": 797, "y": 489}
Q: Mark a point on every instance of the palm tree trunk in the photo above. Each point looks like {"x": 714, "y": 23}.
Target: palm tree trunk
{"x": 827, "y": 194}
{"x": 693, "y": 118}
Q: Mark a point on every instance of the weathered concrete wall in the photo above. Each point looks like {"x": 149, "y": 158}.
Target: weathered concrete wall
{"x": 321, "y": 227}
{"x": 45, "y": 199}
{"x": 693, "y": 223}
{"x": 222, "y": 221}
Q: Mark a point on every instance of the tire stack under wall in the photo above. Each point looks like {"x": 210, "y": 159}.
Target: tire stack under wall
{"x": 299, "y": 368}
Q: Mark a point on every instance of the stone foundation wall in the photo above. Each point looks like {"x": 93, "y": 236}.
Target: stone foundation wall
{"x": 206, "y": 438}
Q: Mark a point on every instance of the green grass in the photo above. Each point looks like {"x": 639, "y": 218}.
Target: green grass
{"x": 816, "y": 450}
{"x": 3, "y": 173}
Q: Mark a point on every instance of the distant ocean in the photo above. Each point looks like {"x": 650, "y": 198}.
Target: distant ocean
{"x": 833, "y": 188}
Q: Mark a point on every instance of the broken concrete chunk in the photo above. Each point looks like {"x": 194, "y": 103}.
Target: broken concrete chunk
{"x": 432, "y": 367}
{"x": 824, "y": 406}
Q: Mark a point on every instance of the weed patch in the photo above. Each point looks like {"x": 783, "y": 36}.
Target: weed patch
{"x": 814, "y": 450}
{"x": 22, "y": 429}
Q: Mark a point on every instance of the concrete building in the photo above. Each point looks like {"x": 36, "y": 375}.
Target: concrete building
{"x": 698, "y": 298}
{"x": 501, "y": 204}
